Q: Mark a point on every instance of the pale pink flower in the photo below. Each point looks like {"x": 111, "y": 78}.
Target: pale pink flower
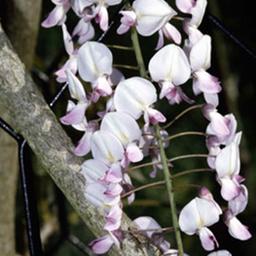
{"x": 84, "y": 30}
{"x": 75, "y": 112}
{"x": 149, "y": 19}
{"x": 235, "y": 228}
{"x": 196, "y": 216}
{"x": 170, "y": 68}
{"x": 200, "y": 61}
{"x": 95, "y": 66}
{"x": 228, "y": 168}
{"x": 103, "y": 244}
{"x": 58, "y": 15}
{"x": 126, "y": 129}
{"x": 135, "y": 97}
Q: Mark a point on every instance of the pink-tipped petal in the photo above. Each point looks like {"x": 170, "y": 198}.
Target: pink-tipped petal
{"x": 206, "y": 82}
{"x": 134, "y": 153}
{"x": 103, "y": 18}
{"x": 208, "y": 239}
{"x": 84, "y": 145}
{"x": 55, "y": 17}
{"x": 69, "y": 46}
{"x": 75, "y": 116}
{"x": 239, "y": 203}
{"x": 155, "y": 116}
{"x": 185, "y": 5}
{"x": 229, "y": 189}
{"x": 113, "y": 219}
{"x": 102, "y": 244}
{"x": 172, "y": 33}
{"x": 94, "y": 61}
{"x": 160, "y": 41}
{"x": 236, "y": 229}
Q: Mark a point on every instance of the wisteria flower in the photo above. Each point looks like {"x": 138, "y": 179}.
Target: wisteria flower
{"x": 196, "y": 216}
{"x": 84, "y": 30}
{"x": 95, "y": 66}
{"x": 194, "y": 7}
{"x": 228, "y": 168}
{"x": 170, "y": 68}
{"x": 200, "y": 61}
{"x": 58, "y": 15}
{"x": 149, "y": 19}
{"x": 135, "y": 97}
{"x": 126, "y": 129}
{"x": 76, "y": 112}
{"x": 107, "y": 148}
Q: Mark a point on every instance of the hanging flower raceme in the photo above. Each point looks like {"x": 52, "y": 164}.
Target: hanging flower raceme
{"x": 58, "y": 15}
{"x": 200, "y": 61}
{"x": 135, "y": 97}
{"x": 196, "y": 216}
{"x": 170, "y": 68}
{"x": 126, "y": 129}
{"x": 228, "y": 167}
{"x": 149, "y": 19}
{"x": 95, "y": 66}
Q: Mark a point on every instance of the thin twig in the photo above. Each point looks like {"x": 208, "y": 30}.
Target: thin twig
{"x": 182, "y": 114}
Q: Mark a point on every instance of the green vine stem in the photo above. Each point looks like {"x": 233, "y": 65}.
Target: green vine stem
{"x": 164, "y": 160}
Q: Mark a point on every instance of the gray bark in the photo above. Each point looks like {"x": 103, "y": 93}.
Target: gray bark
{"x": 22, "y": 27}
{"x": 31, "y": 116}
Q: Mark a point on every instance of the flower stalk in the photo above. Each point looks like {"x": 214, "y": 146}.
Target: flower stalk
{"x": 164, "y": 160}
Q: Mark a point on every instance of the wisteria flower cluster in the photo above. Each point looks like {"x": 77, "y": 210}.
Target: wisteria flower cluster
{"x": 130, "y": 129}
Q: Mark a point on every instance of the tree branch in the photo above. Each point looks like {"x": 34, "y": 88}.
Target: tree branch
{"x": 31, "y": 117}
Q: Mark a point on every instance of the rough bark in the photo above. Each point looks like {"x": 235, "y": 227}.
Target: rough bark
{"x": 21, "y": 22}
{"x": 31, "y": 116}
{"x": 22, "y": 27}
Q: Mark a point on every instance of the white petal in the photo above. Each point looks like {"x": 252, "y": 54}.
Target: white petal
{"x": 238, "y": 230}
{"x": 239, "y": 203}
{"x": 152, "y": 17}
{"x": 75, "y": 87}
{"x": 228, "y": 161}
{"x": 122, "y": 126}
{"x": 200, "y": 54}
{"x": 106, "y": 147}
{"x": 93, "y": 170}
{"x": 220, "y": 253}
{"x": 170, "y": 64}
{"x": 134, "y": 95}
{"x": 208, "y": 239}
{"x": 198, "y": 13}
{"x": 94, "y": 60}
